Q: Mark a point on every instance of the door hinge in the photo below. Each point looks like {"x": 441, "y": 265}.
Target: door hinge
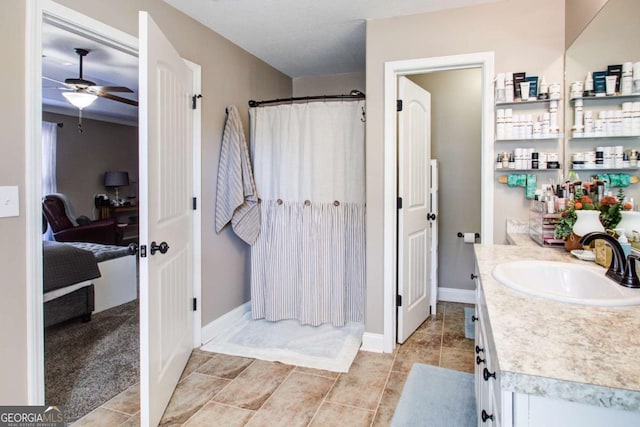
{"x": 399, "y": 202}
{"x": 195, "y": 304}
{"x": 143, "y": 251}
{"x": 398, "y": 300}
{"x": 399, "y": 105}
{"x": 195, "y": 203}
{"x": 194, "y": 99}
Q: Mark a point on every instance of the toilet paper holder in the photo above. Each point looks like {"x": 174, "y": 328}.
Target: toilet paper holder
{"x": 461, "y": 234}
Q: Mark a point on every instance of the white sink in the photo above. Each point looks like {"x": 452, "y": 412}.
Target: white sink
{"x": 565, "y": 282}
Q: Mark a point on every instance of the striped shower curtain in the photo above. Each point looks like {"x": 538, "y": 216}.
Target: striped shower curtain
{"x": 308, "y": 262}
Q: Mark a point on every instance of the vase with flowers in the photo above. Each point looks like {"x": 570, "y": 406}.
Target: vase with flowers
{"x": 583, "y": 215}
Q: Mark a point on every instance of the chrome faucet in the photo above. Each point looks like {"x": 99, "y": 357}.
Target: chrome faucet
{"x": 622, "y": 270}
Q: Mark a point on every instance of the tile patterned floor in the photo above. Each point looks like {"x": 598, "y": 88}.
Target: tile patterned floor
{"x": 221, "y": 390}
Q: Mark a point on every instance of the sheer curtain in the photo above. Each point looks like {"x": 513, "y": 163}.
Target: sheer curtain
{"x": 308, "y": 261}
{"x": 49, "y": 143}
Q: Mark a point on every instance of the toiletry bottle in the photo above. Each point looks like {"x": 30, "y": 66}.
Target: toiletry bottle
{"x": 543, "y": 93}
{"x": 508, "y": 87}
{"x": 588, "y": 85}
{"x": 624, "y": 242}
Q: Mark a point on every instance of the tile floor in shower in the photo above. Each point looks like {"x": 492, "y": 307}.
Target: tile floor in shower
{"x": 221, "y": 390}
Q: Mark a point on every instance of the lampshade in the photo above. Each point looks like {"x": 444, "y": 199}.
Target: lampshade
{"x": 79, "y": 99}
{"x": 116, "y": 179}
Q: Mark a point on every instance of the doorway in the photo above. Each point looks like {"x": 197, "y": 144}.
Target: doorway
{"x": 79, "y": 367}
{"x": 393, "y": 70}
{"x": 38, "y": 11}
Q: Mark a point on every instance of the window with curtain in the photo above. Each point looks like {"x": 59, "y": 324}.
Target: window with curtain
{"x": 49, "y": 142}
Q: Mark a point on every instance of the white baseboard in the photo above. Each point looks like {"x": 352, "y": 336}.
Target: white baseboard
{"x": 224, "y": 322}
{"x": 372, "y": 342}
{"x": 467, "y": 296}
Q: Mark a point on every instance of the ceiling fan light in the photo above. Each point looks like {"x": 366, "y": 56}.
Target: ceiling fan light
{"x": 79, "y": 99}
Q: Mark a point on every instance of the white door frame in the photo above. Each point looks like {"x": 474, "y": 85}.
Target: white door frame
{"x": 37, "y": 10}
{"x": 392, "y": 70}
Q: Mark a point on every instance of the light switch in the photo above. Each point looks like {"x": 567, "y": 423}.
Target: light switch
{"x": 9, "y": 201}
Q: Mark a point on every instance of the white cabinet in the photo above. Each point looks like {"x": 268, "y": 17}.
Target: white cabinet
{"x": 506, "y": 408}
{"x": 488, "y": 393}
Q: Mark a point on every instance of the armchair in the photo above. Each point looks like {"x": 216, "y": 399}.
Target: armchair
{"x": 66, "y": 229}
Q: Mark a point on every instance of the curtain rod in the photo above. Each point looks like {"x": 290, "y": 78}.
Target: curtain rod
{"x": 354, "y": 94}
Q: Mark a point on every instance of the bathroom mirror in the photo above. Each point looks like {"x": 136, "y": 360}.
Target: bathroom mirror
{"x": 611, "y": 37}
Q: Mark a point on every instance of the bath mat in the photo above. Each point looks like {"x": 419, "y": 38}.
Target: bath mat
{"x": 469, "y": 328}
{"x": 436, "y": 397}
{"x": 321, "y": 347}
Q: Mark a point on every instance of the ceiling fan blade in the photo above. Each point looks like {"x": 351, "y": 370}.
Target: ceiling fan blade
{"x": 118, "y": 98}
{"x": 67, "y": 85}
{"x": 111, "y": 89}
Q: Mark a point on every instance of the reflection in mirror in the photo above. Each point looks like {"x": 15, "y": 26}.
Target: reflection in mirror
{"x": 611, "y": 38}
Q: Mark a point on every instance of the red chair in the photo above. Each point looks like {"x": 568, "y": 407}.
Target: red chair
{"x": 66, "y": 229}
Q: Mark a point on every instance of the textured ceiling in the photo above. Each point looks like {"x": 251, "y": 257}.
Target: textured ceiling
{"x": 298, "y": 37}
{"x": 305, "y": 37}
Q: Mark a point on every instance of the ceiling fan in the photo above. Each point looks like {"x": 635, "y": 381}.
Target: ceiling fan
{"x": 81, "y": 86}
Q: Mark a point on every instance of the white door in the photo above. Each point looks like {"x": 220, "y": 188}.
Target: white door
{"x": 414, "y": 152}
{"x": 433, "y": 223}
{"x": 166, "y": 279}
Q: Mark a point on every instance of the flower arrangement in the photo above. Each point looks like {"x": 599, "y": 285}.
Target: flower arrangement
{"x": 608, "y": 206}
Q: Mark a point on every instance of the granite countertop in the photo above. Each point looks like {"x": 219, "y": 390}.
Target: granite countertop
{"x": 573, "y": 352}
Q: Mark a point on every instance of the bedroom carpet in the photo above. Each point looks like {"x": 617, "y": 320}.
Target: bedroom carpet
{"x": 320, "y": 347}
{"x": 87, "y": 364}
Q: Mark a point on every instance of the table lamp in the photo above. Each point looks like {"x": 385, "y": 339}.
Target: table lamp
{"x": 114, "y": 179}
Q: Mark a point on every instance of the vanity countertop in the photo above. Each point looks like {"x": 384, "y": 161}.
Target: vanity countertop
{"x": 558, "y": 350}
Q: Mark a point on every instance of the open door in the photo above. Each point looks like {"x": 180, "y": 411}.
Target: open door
{"x": 433, "y": 223}
{"x": 414, "y": 231}
{"x": 166, "y": 243}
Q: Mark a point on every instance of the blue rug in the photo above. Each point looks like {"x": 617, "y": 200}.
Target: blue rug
{"x": 469, "y": 328}
{"x": 436, "y": 397}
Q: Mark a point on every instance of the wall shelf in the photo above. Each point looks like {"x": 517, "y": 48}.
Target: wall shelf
{"x": 635, "y": 168}
{"x": 617, "y": 137}
{"x": 553, "y": 137}
{"x": 534, "y": 102}
{"x": 604, "y": 99}
{"x": 508, "y": 170}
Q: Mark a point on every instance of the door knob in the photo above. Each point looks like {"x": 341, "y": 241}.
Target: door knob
{"x": 162, "y": 247}
{"x": 431, "y": 216}
{"x": 486, "y": 416}
{"x": 133, "y": 248}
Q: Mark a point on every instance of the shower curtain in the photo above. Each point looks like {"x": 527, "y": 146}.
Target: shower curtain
{"x": 308, "y": 262}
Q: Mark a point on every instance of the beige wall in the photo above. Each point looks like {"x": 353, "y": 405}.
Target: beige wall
{"x": 578, "y": 14}
{"x": 497, "y": 27}
{"x": 455, "y": 129}
{"x": 329, "y": 84}
{"x": 229, "y": 76}
{"x": 82, "y": 158}
{"x": 13, "y": 320}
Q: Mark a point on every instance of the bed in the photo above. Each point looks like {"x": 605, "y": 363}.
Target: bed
{"x": 84, "y": 278}
{"x": 119, "y": 281}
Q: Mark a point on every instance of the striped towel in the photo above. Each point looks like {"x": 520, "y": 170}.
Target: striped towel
{"x": 236, "y": 197}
